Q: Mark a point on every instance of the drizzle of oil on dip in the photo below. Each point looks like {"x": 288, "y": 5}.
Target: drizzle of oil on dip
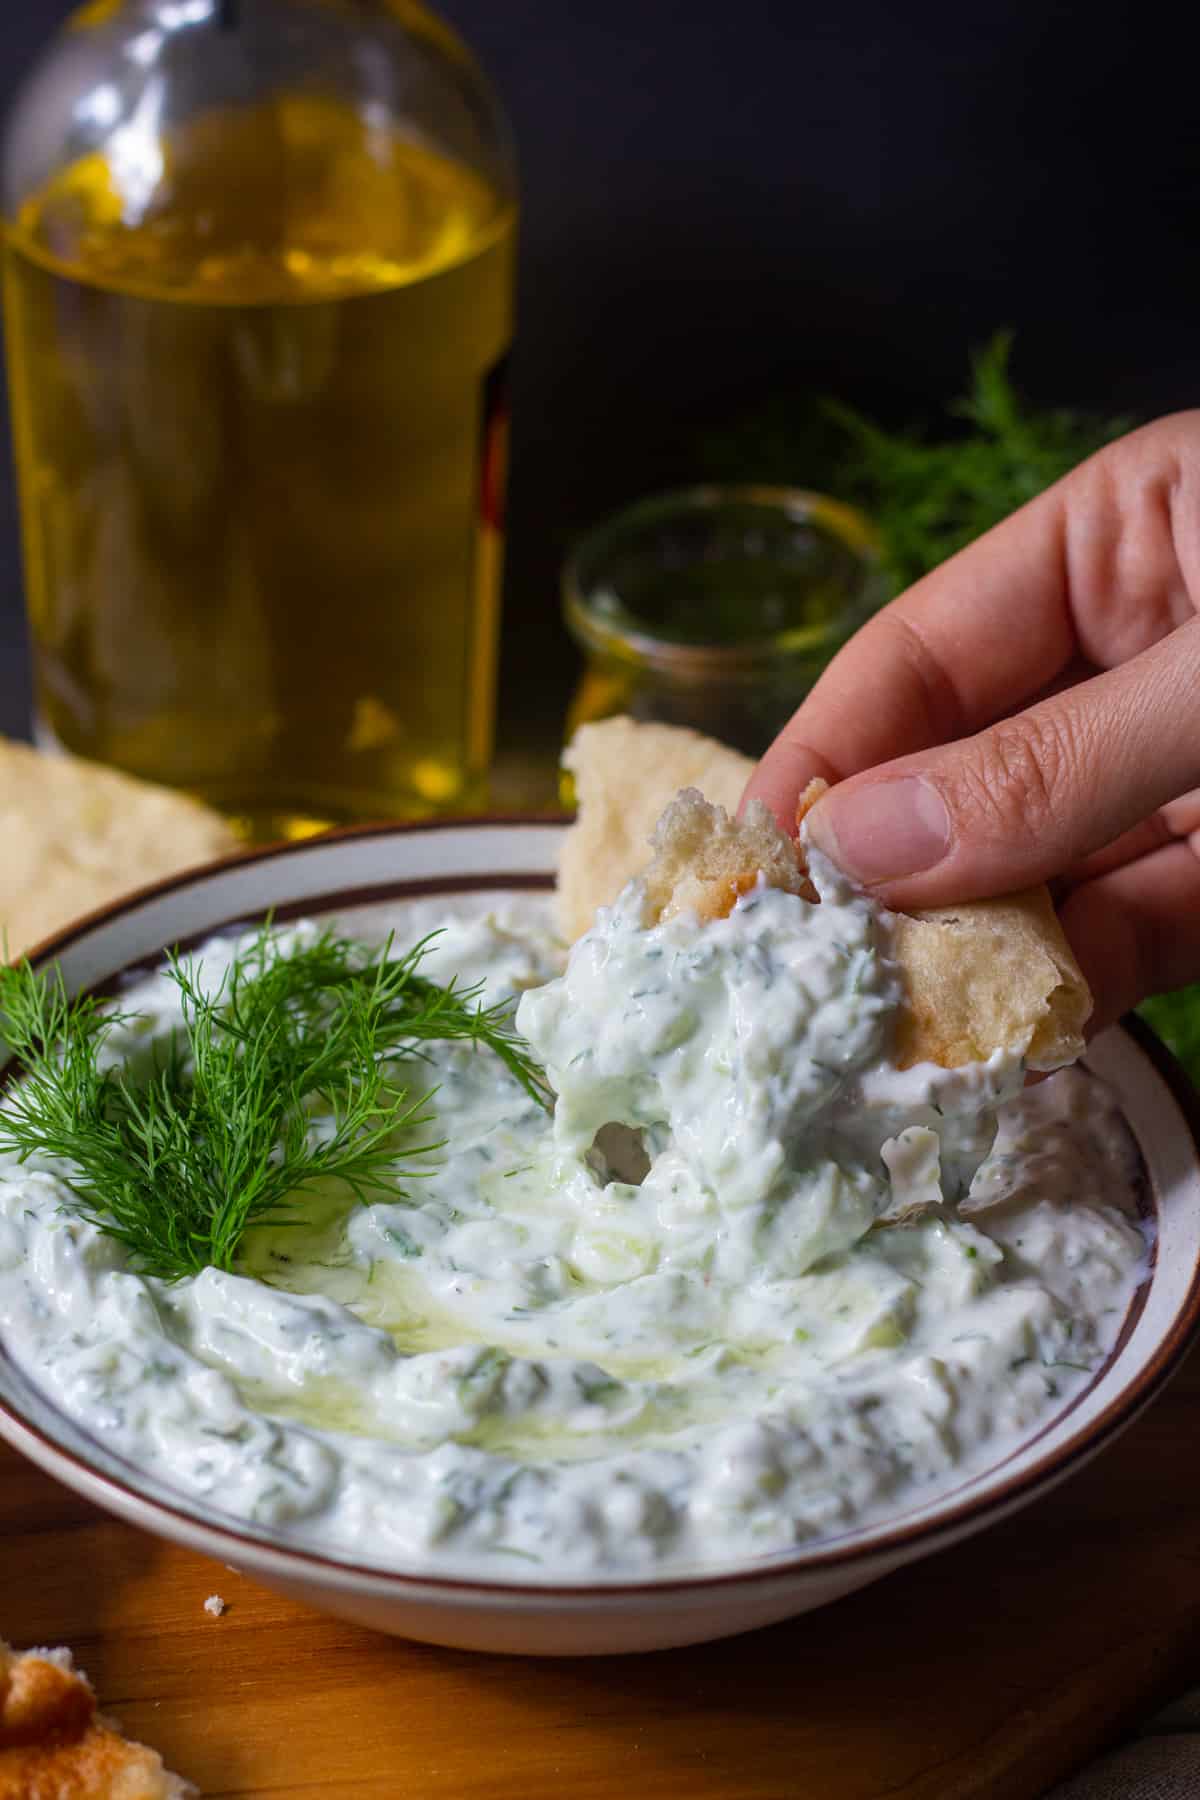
{"x": 750, "y": 1287}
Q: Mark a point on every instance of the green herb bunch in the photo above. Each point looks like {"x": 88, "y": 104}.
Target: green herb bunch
{"x": 286, "y": 1075}
{"x": 930, "y": 495}
{"x": 928, "y": 490}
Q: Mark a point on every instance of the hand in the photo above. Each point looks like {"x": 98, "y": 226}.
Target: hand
{"x": 1031, "y": 712}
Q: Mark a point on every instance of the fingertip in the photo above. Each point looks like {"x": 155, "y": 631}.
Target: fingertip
{"x": 882, "y": 832}
{"x": 774, "y": 798}
{"x": 780, "y": 779}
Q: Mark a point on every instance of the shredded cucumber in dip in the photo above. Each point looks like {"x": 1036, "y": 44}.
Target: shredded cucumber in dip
{"x": 750, "y": 1285}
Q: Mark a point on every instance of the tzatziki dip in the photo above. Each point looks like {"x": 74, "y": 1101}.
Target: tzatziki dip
{"x": 747, "y": 1286}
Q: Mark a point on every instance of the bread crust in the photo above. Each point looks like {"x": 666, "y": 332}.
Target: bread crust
{"x": 55, "y": 1746}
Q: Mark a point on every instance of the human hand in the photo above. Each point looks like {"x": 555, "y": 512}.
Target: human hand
{"x": 1030, "y": 712}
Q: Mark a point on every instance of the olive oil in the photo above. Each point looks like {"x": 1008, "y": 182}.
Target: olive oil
{"x": 258, "y": 423}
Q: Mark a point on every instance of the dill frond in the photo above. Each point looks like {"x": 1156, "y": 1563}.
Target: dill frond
{"x": 931, "y": 488}
{"x": 288, "y": 1074}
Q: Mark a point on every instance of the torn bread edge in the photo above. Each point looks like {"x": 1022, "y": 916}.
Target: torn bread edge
{"x": 991, "y": 975}
{"x": 625, "y": 774}
{"x": 53, "y": 1741}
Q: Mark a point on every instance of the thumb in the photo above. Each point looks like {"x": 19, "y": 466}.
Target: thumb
{"x": 1027, "y": 798}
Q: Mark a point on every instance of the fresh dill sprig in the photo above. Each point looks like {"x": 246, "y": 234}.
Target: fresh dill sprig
{"x": 284, "y": 1076}
{"x": 930, "y": 496}
{"x": 929, "y": 489}
{"x": 424, "y": 1012}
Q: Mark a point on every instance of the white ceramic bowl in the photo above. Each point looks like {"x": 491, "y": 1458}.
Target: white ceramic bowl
{"x": 542, "y": 1617}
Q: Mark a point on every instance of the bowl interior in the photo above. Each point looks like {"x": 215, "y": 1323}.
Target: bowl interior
{"x": 391, "y": 863}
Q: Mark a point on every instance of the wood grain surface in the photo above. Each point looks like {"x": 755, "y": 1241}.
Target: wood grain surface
{"x": 986, "y": 1671}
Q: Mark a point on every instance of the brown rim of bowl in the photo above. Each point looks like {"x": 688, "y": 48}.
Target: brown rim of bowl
{"x": 784, "y": 1564}
{"x": 253, "y": 853}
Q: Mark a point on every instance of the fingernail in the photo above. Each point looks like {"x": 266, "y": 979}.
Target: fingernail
{"x": 881, "y": 832}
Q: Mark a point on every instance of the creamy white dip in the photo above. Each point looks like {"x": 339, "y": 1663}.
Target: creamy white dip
{"x": 828, "y": 1298}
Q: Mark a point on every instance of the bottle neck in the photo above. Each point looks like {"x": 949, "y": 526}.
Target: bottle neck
{"x": 152, "y": 69}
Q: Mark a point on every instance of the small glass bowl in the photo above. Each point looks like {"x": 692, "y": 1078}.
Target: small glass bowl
{"x": 717, "y": 607}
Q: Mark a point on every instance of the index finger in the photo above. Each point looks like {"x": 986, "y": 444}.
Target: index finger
{"x": 1095, "y": 567}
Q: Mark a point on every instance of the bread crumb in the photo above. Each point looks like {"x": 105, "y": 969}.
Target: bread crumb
{"x": 214, "y": 1605}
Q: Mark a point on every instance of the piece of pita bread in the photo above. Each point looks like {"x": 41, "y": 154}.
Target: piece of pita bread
{"x": 74, "y": 836}
{"x": 997, "y": 974}
{"x": 54, "y": 1746}
{"x": 625, "y": 774}
{"x": 992, "y": 975}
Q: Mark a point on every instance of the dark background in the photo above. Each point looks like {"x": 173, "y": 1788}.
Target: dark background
{"x": 725, "y": 203}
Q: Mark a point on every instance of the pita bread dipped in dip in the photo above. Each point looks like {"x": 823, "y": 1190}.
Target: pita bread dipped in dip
{"x": 993, "y": 974}
{"x": 985, "y": 991}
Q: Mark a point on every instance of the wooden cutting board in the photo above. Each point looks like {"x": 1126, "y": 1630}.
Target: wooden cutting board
{"x": 986, "y": 1671}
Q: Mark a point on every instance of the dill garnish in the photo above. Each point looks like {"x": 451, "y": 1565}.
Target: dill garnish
{"x": 931, "y": 495}
{"x": 287, "y": 1074}
{"x": 929, "y": 489}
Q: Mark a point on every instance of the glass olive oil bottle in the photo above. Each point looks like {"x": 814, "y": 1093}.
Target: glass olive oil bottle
{"x": 258, "y": 295}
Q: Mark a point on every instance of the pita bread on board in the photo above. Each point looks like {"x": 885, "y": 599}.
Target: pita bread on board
{"x": 54, "y": 1744}
{"x": 991, "y": 975}
{"x": 74, "y": 836}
